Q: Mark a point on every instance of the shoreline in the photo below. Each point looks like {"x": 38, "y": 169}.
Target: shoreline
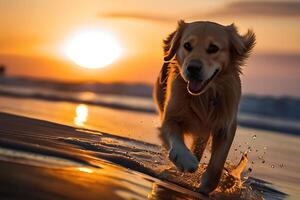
{"x": 258, "y": 121}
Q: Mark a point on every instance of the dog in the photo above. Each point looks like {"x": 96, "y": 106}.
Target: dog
{"x": 198, "y": 91}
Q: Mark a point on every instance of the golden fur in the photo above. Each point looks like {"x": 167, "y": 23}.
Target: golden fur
{"x": 213, "y": 113}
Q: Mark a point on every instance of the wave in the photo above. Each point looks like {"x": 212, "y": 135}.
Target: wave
{"x": 76, "y": 100}
{"x": 274, "y": 114}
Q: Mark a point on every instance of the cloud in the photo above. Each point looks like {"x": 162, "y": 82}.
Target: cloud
{"x": 138, "y": 16}
{"x": 261, "y": 8}
{"x": 236, "y": 8}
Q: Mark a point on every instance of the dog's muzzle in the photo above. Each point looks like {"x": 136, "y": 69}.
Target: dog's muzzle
{"x": 196, "y": 83}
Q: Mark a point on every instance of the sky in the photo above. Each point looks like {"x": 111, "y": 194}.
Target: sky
{"x": 33, "y": 34}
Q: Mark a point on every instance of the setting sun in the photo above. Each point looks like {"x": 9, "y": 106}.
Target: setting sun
{"x": 93, "y": 49}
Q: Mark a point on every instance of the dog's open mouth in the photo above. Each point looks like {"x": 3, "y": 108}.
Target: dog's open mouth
{"x": 197, "y": 87}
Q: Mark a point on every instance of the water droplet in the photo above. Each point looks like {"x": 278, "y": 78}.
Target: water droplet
{"x": 249, "y": 149}
{"x": 281, "y": 165}
{"x": 272, "y": 166}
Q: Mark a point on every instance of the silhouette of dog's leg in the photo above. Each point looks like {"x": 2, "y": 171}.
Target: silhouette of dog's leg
{"x": 199, "y": 145}
{"x": 221, "y": 142}
{"x": 201, "y": 136}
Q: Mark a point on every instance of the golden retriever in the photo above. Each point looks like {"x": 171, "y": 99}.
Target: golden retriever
{"x": 198, "y": 92}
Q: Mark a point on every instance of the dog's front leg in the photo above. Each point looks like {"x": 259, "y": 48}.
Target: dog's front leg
{"x": 221, "y": 142}
{"x": 179, "y": 154}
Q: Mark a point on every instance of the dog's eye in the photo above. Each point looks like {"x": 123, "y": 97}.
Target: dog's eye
{"x": 212, "y": 49}
{"x": 188, "y": 46}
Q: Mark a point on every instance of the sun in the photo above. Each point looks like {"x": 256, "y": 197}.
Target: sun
{"x": 93, "y": 49}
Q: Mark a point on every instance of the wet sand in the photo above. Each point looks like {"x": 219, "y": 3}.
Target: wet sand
{"x": 37, "y": 163}
{"x": 273, "y": 157}
{"x": 53, "y": 160}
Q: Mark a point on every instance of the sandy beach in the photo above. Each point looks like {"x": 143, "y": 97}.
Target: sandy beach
{"x": 42, "y": 160}
{"x": 123, "y": 139}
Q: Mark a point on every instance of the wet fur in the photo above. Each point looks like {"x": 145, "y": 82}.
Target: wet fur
{"x": 211, "y": 114}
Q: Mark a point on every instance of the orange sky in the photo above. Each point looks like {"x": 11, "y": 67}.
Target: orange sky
{"x": 33, "y": 32}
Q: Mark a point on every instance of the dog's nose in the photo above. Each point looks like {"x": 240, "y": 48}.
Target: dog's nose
{"x": 194, "y": 69}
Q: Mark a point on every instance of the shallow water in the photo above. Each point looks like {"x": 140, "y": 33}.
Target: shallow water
{"x": 246, "y": 118}
{"x": 137, "y": 149}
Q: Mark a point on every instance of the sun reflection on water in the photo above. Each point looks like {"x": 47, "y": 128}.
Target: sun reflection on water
{"x": 82, "y": 112}
{"x": 86, "y": 170}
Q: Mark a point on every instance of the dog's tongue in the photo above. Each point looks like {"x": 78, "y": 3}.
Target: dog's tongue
{"x": 195, "y": 86}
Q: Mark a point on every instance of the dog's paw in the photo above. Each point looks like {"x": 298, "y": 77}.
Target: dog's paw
{"x": 208, "y": 184}
{"x": 183, "y": 159}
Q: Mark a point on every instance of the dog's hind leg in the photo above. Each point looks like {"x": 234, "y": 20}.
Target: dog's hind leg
{"x": 200, "y": 139}
{"x": 198, "y": 146}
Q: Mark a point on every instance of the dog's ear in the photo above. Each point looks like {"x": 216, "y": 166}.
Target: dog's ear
{"x": 172, "y": 42}
{"x": 240, "y": 45}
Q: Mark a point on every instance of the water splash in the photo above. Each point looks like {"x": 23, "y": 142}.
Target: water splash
{"x": 150, "y": 159}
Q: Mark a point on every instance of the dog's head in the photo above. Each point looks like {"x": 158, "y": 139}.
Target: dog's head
{"x": 205, "y": 50}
